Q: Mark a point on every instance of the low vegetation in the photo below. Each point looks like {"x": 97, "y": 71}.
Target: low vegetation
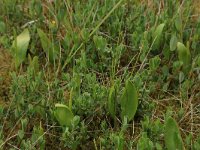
{"x": 100, "y": 74}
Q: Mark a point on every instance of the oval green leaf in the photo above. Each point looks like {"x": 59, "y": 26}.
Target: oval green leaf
{"x": 173, "y": 138}
{"x": 63, "y": 115}
{"x": 184, "y": 55}
{"x": 178, "y": 24}
{"x": 157, "y": 36}
{"x": 20, "y": 46}
{"x": 129, "y": 101}
{"x": 173, "y": 42}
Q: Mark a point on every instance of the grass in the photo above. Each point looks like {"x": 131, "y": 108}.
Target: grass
{"x": 126, "y": 72}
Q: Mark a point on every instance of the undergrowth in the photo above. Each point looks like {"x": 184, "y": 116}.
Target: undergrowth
{"x": 107, "y": 74}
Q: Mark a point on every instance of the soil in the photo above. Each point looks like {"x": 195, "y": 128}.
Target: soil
{"x": 196, "y": 13}
{"x": 5, "y": 68}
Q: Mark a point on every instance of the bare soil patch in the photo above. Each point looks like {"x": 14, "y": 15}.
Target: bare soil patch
{"x": 5, "y": 68}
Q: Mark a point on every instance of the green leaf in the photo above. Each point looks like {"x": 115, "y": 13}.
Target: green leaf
{"x": 173, "y": 42}
{"x": 184, "y": 55}
{"x": 20, "y": 46}
{"x": 63, "y": 115}
{"x": 154, "y": 62}
{"x": 24, "y": 123}
{"x": 158, "y": 30}
{"x": 157, "y": 36}
{"x": 76, "y": 121}
{"x": 173, "y": 138}
{"x": 2, "y": 27}
{"x": 181, "y": 77}
{"x": 178, "y": 24}
{"x": 34, "y": 64}
{"x": 100, "y": 42}
{"x": 158, "y": 146}
{"x": 129, "y": 101}
{"x": 47, "y": 46}
{"x": 111, "y": 101}
{"x": 21, "y": 134}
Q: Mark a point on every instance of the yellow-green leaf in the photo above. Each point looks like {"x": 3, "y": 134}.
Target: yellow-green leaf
{"x": 184, "y": 55}
{"x": 20, "y": 46}
{"x": 63, "y": 115}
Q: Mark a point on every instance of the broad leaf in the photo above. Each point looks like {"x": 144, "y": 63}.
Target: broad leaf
{"x": 173, "y": 42}
{"x": 20, "y": 46}
{"x": 157, "y": 36}
{"x": 63, "y": 115}
{"x": 129, "y": 101}
{"x": 173, "y": 138}
{"x": 21, "y": 134}
{"x": 178, "y": 24}
{"x": 184, "y": 55}
{"x": 47, "y": 46}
